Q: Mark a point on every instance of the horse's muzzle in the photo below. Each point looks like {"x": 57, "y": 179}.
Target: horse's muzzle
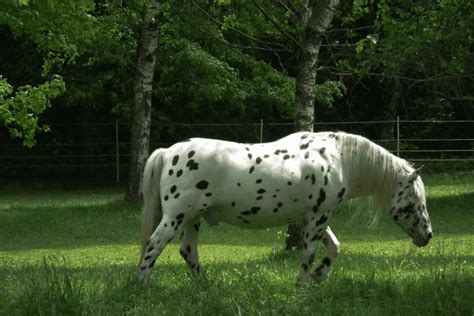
{"x": 421, "y": 242}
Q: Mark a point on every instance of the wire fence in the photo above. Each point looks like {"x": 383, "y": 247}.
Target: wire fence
{"x": 103, "y": 148}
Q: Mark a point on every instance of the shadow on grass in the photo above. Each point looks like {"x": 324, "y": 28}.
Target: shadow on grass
{"x": 367, "y": 284}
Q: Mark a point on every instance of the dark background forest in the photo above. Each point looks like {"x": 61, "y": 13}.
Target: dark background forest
{"x": 67, "y": 67}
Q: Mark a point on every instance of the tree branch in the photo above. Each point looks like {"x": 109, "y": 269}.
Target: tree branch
{"x": 268, "y": 44}
{"x": 275, "y": 23}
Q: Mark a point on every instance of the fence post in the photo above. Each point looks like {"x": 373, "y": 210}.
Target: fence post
{"x": 398, "y": 136}
{"x": 117, "y": 153}
{"x": 261, "y": 131}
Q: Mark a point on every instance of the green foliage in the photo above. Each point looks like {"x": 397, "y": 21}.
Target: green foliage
{"x": 19, "y": 112}
{"x": 327, "y": 92}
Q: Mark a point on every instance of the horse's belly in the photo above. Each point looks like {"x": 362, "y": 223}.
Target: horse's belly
{"x": 255, "y": 217}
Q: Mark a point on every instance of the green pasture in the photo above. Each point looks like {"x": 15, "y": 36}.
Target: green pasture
{"x": 74, "y": 252}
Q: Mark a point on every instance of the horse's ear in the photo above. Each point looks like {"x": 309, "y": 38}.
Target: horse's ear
{"x": 418, "y": 171}
{"x": 412, "y": 177}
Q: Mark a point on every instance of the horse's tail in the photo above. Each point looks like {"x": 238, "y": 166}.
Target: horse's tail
{"x": 152, "y": 212}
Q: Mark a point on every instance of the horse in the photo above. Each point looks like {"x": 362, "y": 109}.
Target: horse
{"x": 301, "y": 178}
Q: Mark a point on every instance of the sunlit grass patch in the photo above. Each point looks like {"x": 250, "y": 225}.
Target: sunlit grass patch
{"x": 76, "y": 253}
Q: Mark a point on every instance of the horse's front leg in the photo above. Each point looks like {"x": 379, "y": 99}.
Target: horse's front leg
{"x": 313, "y": 230}
{"x": 332, "y": 250}
{"x": 189, "y": 248}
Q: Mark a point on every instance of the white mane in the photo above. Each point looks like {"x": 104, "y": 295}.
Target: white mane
{"x": 370, "y": 169}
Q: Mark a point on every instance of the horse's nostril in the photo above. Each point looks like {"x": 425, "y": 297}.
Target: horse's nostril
{"x": 430, "y": 235}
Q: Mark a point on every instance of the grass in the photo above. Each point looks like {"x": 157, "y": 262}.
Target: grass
{"x": 74, "y": 252}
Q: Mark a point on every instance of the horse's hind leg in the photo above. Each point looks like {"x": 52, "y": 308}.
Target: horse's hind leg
{"x": 332, "y": 250}
{"x": 189, "y": 248}
{"x": 162, "y": 235}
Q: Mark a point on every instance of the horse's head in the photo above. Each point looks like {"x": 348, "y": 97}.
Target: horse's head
{"x": 408, "y": 208}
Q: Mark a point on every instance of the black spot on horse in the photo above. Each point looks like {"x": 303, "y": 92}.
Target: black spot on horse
{"x": 152, "y": 264}
{"x": 232, "y": 204}
{"x": 341, "y": 194}
{"x": 321, "y": 198}
{"x": 175, "y": 160}
{"x": 245, "y": 213}
{"x": 250, "y": 156}
{"x": 208, "y": 194}
{"x": 246, "y": 221}
{"x": 170, "y": 172}
{"x": 321, "y": 220}
{"x": 310, "y": 197}
{"x": 238, "y": 184}
{"x": 197, "y": 226}
{"x": 251, "y": 169}
{"x": 304, "y": 146}
{"x": 179, "y": 173}
{"x": 304, "y": 136}
{"x": 255, "y": 209}
{"x": 289, "y": 183}
{"x": 176, "y": 195}
{"x": 192, "y": 165}
{"x": 173, "y": 189}
{"x": 279, "y": 204}
{"x": 327, "y": 261}
{"x": 277, "y": 152}
{"x": 306, "y": 155}
{"x": 258, "y": 181}
{"x": 191, "y": 154}
{"x": 188, "y": 249}
{"x": 147, "y": 258}
{"x": 202, "y": 185}
{"x": 266, "y": 156}
{"x": 166, "y": 197}
{"x": 315, "y": 209}
{"x": 285, "y": 157}
{"x": 322, "y": 150}
{"x": 313, "y": 179}
{"x": 326, "y": 179}
{"x": 275, "y": 210}
{"x": 258, "y": 160}
{"x": 259, "y": 198}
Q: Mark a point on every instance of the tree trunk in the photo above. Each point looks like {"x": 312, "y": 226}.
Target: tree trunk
{"x": 140, "y": 137}
{"x": 315, "y": 21}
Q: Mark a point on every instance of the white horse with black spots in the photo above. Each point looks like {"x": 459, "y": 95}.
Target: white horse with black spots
{"x": 302, "y": 178}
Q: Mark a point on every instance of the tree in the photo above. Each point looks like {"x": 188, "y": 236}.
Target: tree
{"x": 145, "y": 67}
{"x": 314, "y": 19}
